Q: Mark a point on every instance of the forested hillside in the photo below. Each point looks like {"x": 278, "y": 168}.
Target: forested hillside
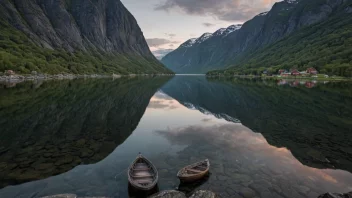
{"x": 326, "y": 46}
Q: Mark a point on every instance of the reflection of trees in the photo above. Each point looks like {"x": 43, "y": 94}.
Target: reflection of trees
{"x": 315, "y": 124}
{"x": 50, "y": 130}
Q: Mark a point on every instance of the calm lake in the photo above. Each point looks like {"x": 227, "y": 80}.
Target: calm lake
{"x": 263, "y": 138}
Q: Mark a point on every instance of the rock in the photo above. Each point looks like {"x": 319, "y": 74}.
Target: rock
{"x": 169, "y": 194}
{"x": 336, "y": 195}
{"x": 203, "y": 194}
{"x": 61, "y": 196}
{"x": 303, "y": 189}
{"x": 247, "y": 193}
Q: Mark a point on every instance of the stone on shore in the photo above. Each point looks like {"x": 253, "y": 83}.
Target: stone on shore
{"x": 62, "y": 196}
{"x": 336, "y": 195}
{"x": 169, "y": 194}
{"x": 203, "y": 194}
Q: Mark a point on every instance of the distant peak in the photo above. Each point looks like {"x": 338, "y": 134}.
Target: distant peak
{"x": 189, "y": 43}
{"x": 232, "y": 28}
{"x": 291, "y": 1}
{"x": 219, "y": 31}
{"x": 204, "y": 37}
{"x": 263, "y": 14}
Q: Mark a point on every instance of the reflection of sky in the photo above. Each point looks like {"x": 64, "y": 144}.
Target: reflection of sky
{"x": 168, "y": 128}
{"x": 249, "y": 147}
{"x": 181, "y": 124}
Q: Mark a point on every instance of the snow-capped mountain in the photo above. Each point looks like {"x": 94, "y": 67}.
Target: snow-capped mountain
{"x": 227, "y": 47}
{"x": 189, "y": 43}
{"x": 220, "y": 32}
{"x": 203, "y": 38}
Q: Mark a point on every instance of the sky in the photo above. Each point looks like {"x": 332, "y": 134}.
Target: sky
{"x": 168, "y": 23}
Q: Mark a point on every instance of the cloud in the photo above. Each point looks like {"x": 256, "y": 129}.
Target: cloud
{"x": 156, "y": 42}
{"x": 208, "y": 24}
{"x": 227, "y": 10}
{"x": 170, "y": 35}
{"x": 206, "y": 120}
{"x": 161, "y": 105}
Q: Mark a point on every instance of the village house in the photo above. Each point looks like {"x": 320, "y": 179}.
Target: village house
{"x": 312, "y": 71}
{"x": 295, "y": 72}
{"x": 9, "y": 72}
{"x": 281, "y": 71}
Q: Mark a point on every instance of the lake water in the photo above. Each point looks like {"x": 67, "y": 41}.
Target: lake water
{"x": 263, "y": 138}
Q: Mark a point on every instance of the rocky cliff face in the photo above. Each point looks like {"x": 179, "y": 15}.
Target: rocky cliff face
{"x": 264, "y": 29}
{"x": 105, "y": 25}
{"x": 99, "y": 26}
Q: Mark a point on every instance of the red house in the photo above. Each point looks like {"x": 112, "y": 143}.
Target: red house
{"x": 312, "y": 71}
{"x": 295, "y": 72}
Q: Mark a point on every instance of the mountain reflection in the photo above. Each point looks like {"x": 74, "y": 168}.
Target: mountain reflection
{"x": 49, "y": 129}
{"x": 314, "y": 124}
{"x": 238, "y": 155}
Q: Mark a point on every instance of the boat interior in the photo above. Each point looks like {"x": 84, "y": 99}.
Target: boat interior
{"x": 142, "y": 173}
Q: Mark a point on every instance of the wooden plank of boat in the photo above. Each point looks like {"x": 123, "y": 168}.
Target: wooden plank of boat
{"x": 194, "y": 171}
{"x": 142, "y": 174}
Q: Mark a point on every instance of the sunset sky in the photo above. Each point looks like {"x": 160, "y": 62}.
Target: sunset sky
{"x": 168, "y": 23}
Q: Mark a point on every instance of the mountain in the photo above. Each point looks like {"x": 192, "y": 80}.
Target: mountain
{"x": 75, "y": 36}
{"x": 289, "y": 117}
{"x": 286, "y": 19}
{"x": 160, "y": 53}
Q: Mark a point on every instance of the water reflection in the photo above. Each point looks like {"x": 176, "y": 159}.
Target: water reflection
{"x": 244, "y": 128}
{"x": 243, "y": 160}
{"x": 314, "y": 124}
{"x": 51, "y": 130}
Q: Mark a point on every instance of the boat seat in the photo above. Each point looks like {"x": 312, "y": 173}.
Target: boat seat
{"x": 194, "y": 170}
{"x": 144, "y": 181}
{"x": 142, "y": 176}
{"x": 141, "y": 169}
{"x": 140, "y": 165}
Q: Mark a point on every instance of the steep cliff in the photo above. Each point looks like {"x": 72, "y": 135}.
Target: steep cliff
{"x": 79, "y": 36}
{"x": 283, "y": 20}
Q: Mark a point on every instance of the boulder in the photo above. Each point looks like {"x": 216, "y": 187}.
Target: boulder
{"x": 336, "y": 195}
{"x": 62, "y": 196}
{"x": 169, "y": 194}
{"x": 203, "y": 194}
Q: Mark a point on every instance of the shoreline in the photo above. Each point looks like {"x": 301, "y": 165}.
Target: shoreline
{"x": 23, "y": 78}
{"x": 281, "y": 78}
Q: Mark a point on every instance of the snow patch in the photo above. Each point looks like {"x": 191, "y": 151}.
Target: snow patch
{"x": 203, "y": 38}
{"x": 189, "y": 43}
{"x": 263, "y": 14}
{"x": 232, "y": 28}
{"x": 291, "y": 1}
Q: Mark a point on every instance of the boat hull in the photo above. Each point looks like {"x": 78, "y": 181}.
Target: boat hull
{"x": 142, "y": 174}
{"x": 186, "y": 177}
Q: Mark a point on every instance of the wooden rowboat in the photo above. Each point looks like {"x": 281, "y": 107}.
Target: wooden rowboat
{"x": 194, "y": 171}
{"x": 142, "y": 174}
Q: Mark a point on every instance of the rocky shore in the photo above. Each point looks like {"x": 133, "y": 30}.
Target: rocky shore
{"x": 163, "y": 194}
{"x": 21, "y": 78}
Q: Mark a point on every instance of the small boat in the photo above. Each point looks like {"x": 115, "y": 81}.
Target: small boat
{"x": 194, "y": 171}
{"x": 142, "y": 174}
